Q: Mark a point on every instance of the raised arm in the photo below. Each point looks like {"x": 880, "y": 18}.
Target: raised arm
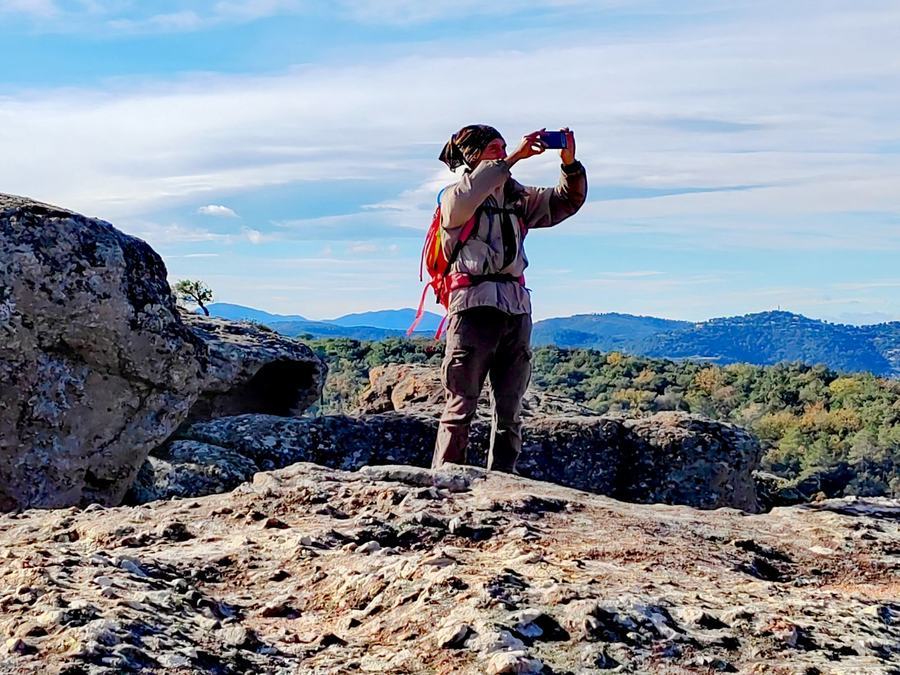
{"x": 545, "y": 207}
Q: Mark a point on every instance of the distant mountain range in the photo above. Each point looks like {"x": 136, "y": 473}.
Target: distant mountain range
{"x": 773, "y": 337}
{"x": 225, "y": 310}
{"x": 362, "y": 326}
{"x": 765, "y": 338}
{"x": 606, "y": 332}
{"x": 389, "y": 319}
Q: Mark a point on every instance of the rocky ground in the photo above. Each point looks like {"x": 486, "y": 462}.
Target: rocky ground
{"x": 401, "y": 570}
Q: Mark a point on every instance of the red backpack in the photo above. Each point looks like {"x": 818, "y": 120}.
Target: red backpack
{"x": 438, "y": 265}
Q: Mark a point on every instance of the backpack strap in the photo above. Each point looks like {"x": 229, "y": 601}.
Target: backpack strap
{"x": 464, "y": 236}
{"x": 420, "y": 312}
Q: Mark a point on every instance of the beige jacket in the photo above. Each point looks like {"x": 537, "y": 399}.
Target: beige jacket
{"x": 483, "y": 253}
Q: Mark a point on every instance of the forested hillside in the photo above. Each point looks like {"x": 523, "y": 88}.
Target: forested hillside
{"x": 764, "y": 338}
{"x": 838, "y": 433}
{"x": 768, "y": 338}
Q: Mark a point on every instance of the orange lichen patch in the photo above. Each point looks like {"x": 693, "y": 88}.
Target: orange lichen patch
{"x": 881, "y": 591}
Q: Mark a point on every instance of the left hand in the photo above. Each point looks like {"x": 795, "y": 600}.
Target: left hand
{"x": 530, "y": 146}
{"x": 567, "y": 154}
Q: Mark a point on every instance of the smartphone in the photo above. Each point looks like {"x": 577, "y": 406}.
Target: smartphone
{"x": 555, "y": 140}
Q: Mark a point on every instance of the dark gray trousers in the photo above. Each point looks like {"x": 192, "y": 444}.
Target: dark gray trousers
{"x": 484, "y": 342}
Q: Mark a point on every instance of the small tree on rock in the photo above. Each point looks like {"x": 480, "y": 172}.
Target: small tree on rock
{"x": 194, "y": 292}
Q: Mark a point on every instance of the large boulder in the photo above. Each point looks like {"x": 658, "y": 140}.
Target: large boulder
{"x": 397, "y": 386}
{"x": 678, "y": 458}
{"x": 97, "y": 367}
{"x": 190, "y": 469}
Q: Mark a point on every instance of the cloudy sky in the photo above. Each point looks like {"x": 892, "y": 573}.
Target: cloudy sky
{"x": 743, "y": 155}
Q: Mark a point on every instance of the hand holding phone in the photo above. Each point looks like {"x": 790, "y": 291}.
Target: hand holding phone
{"x": 555, "y": 140}
{"x": 567, "y": 153}
{"x": 531, "y": 145}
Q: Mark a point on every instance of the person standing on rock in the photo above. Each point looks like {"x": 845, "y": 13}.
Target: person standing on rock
{"x": 489, "y": 310}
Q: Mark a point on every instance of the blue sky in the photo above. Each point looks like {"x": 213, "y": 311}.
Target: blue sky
{"x": 742, "y": 155}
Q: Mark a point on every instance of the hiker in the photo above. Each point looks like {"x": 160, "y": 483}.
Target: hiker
{"x": 483, "y": 222}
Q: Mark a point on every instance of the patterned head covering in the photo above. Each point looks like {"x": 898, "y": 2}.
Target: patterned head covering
{"x": 467, "y": 144}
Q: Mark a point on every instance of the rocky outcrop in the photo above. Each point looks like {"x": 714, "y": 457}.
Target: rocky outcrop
{"x": 417, "y": 388}
{"x": 691, "y": 452}
{"x": 253, "y": 369}
{"x": 671, "y": 458}
{"x": 190, "y": 469}
{"x": 397, "y": 386}
{"x": 97, "y": 367}
{"x": 677, "y": 458}
{"x": 398, "y": 569}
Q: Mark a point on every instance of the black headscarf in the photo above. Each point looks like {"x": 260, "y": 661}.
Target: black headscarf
{"x": 467, "y": 144}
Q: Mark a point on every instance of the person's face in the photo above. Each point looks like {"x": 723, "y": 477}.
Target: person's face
{"x": 496, "y": 149}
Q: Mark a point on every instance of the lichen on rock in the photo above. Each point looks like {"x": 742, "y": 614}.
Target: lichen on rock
{"x": 460, "y": 570}
{"x": 98, "y": 366}
{"x": 685, "y": 460}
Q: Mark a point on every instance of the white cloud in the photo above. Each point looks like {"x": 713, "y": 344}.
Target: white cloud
{"x": 160, "y": 16}
{"x": 810, "y": 116}
{"x": 167, "y": 16}
{"x": 622, "y": 282}
{"x": 163, "y": 236}
{"x": 196, "y": 16}
{"x": 407, "y": 12}
{"x": 868, "y": 285}
{"x": 253, "y": 236}
{"x": 419, "y": 11}
{"x": 255, "y": 9}
{"x": 372, "y": 247}
{"x": 634, "y": 274}
{"x": 355, "y": 226}
{"x": 40, "y": 9}
{"x": 185, "y": 20}
{"x": 364, "y": 247}
{"x": 217, "y": 210}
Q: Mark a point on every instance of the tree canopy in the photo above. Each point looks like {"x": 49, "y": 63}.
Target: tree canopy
{"x": 193, "y": 292}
